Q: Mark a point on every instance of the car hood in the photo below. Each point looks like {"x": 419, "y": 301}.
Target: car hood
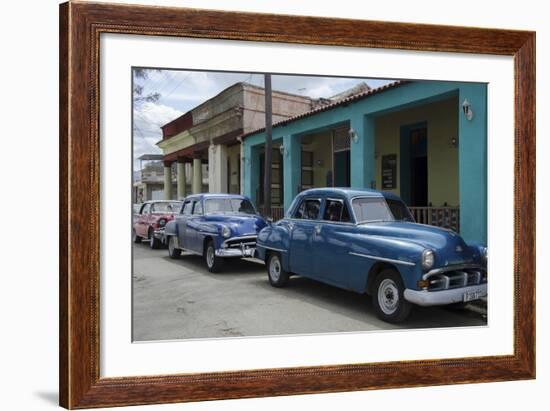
{"x": 240, "y": 224}
{"x": 449, "y": 246}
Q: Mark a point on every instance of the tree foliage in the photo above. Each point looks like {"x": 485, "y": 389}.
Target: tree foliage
{"x": 140, "y": 75}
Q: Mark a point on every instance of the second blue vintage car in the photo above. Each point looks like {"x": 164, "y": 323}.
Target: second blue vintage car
{"x": 367, "y": 241}
{"x": 216, "y": 226}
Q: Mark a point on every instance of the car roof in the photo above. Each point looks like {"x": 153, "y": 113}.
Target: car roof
{"x": 161, "y": 201}
{"x": 215, "y": 195}
{"x": 348, "y": 192}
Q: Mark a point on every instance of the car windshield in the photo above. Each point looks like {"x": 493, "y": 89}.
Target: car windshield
{"x": 400, "y": 211}
{"x": 167, "y": 207}
{"x": 368, "y": 210}
{"x": 228, "y": 205}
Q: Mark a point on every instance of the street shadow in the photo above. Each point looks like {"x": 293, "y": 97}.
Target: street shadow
{"x": 51, "y": 397}
{"x": 232, "y": 266}
{"x": 359, "y": 306}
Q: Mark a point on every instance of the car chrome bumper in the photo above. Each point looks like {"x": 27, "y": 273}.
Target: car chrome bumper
{"x": 159, "y": 234}
{"x": 443, "y": 297}
{"x": 235, "y": 252}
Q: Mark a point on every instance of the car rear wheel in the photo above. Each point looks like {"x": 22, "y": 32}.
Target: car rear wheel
{"x": 135, "y": 238}
{"x": 154, "y": 243}
{"x": 173, "y": 251}
{"x": 387, "y": 298}
{"x": 213, "y": 262}
{"x": 278, "y": 277}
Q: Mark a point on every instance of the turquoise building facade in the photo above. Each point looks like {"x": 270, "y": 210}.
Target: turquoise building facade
{"x": 446, "y": 122}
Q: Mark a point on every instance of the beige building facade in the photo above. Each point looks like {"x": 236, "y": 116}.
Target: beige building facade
{"x": 204, "y": 142}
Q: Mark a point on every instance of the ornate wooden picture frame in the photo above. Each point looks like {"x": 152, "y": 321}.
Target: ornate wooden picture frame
{"x": 80, "y": 27}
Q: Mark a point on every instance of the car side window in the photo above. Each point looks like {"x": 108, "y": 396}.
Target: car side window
{"x": 145, "y": 209}
{"x": 152, "y": 209}
{"x": 336, "y": 210}
{"x": 333, "y": 210}
{"x": 186, "y": 210}
{"x": 308, "y": 209}
{"x": 197, "y": 207}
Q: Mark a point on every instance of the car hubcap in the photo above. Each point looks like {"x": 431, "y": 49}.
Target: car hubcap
{"x": 275, "y": 269}
{"x": 388, "y": 296}
{"x": 210, "y": 256}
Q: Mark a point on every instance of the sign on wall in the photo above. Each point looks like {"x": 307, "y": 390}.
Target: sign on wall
{"x": 389, "y": 171}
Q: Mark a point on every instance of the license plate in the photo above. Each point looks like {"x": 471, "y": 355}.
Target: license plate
{"x": 472, "y": 295}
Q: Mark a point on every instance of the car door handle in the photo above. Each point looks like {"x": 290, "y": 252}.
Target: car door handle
{"x": 317, "y": 229}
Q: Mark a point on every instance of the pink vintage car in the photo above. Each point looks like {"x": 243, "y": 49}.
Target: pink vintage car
{"x": 151, "y": 219}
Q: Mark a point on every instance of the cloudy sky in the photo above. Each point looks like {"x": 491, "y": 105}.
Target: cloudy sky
{"x": 181, "y": 91}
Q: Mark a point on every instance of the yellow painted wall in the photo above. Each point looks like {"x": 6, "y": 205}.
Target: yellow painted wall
{"x": 234, "y": 157}
{"x": 321, "y": 145}
{"x": 442, "y": 124}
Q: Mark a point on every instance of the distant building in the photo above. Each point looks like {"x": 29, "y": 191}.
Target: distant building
{"x": 149, "y": 179}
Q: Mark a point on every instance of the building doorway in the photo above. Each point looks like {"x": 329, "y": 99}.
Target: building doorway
{"x": 414, "y": 165}
{"x": 341, "y": 158}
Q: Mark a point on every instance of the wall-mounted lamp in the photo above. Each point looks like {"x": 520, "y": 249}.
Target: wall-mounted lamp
{"x": 467, "y": 109}
{"x": 283, "y": 150}
{"x": 353, "y": 136}
{"x": 454, "y": 142}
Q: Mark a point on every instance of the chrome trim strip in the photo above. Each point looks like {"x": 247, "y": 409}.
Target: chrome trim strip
{"x": 389, "y": 260}
{"x": 318, "y": 221}
{"x": 272, "y": 248}
{"x": 207, "y": 233}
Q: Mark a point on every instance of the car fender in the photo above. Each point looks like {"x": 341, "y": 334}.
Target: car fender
{"x": 372, "y": 252}
{"x": 275, "y": 237}
{"x": 171, "y": 227}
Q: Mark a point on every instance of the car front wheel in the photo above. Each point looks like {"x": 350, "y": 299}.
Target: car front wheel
{"x": 277, "y": 276}
{"x": 387, "y": 298}
{"x": 213, "y": 262}
{"x": 173, "y": 252}
{"x": 135, "y": 238}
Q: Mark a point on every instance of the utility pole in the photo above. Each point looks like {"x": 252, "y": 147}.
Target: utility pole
{"x": 268, "y": 145}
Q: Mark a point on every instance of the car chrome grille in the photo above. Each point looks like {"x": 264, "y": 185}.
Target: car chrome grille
{"x": 456, "y": 279}
{"x": 240, "y": 242}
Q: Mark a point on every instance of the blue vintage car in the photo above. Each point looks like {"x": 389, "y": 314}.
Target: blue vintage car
{"x": 367, "y": 241}
{"x": 216, "y": 226}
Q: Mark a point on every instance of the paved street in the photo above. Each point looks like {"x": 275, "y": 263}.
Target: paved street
{"x": 178, "y": 299}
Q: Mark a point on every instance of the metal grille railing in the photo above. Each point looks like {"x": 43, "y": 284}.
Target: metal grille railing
{"x": 277, "y": 212}
{"x": 447, "y": 217}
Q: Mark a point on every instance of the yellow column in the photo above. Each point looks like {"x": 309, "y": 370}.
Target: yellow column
{"x": 197, "y": 176}
{"x": 167, "y": 182}
{"x": 181, "y": 179}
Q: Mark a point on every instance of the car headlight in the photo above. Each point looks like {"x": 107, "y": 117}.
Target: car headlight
{"x": 428, "y": 259}
{"x": 483, "y": 253}
{"x": 226, "y": 231}
{"x": 162, "y": 222}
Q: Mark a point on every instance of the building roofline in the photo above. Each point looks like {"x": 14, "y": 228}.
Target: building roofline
{"x": 241, "y": 84}
{"x": 343, "y": 102}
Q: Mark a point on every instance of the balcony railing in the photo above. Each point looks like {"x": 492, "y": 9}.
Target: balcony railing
{"x": 447, "y": 217}
{"x": 277, "y": 212}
